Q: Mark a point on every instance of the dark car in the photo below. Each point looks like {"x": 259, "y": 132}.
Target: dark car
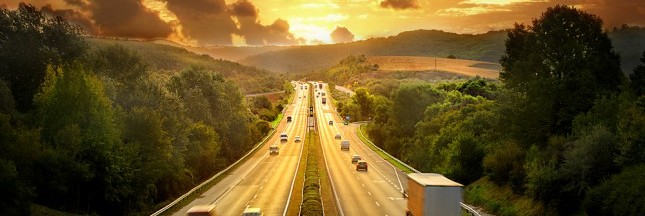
{"x": 331, "y": 122}
{"x": 361, "y": 165}
{"x": 288, "y": 118}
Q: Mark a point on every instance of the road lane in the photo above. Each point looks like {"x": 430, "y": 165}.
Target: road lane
{"x": 375, "y": 192}
{"x": 262, "y": 181}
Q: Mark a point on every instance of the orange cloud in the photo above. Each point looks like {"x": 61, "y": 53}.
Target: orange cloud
{"x": 400, "y": 4}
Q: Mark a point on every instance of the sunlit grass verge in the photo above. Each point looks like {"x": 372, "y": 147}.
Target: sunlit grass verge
{"x": 190, "y": 198}
{"x": 500, "y": 200}
{"x": 363, "y": 136}
{"x": 277, "y": 120}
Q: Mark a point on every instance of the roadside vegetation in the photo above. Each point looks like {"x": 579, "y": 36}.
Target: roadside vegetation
{"x": 91, "y": 129}
{"x": 561, "y": 127}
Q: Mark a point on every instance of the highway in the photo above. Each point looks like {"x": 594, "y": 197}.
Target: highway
{"x": 262, "y": 181}
{"x": 375, "y": 192}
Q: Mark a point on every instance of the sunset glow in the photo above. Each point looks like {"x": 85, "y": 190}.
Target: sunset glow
{"x": 293, "y": 22}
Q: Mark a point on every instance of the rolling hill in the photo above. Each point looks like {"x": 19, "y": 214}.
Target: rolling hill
{"x": 629, "y": 42}
{"x": 483, "y": 47}
{"x": 171, "y": 58}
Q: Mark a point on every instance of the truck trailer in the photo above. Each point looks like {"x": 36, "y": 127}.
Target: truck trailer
{"x": 431, "y": 194}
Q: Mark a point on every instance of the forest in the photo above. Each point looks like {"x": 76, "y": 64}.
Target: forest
{"x": 102, "y": 129}
{"x": 563, "y": 127}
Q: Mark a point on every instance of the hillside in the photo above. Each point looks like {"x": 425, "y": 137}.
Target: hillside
{"x": 629, "y": 42}
{"x": 233, "y": 53}
{"x": 417, "y": 63}
{"x": 483, "y": 47}
{"x": 171, "y": 59}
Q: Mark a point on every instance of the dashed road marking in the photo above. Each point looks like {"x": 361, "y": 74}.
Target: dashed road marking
{"x": 369, "y": 193}
{"x": 378, "y": 204}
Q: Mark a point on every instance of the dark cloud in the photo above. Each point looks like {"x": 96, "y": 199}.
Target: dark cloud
{"x": 206, "y": 21}
{"x": 73, "y": 16}
{"x": 254, "y": 32}
{"x": 342, "y": 35}
{"x": 244, "y": 8}
{"x": 127, "y": 18}
{"x": 118, "y": 18}
{"x": 400, "y": 4}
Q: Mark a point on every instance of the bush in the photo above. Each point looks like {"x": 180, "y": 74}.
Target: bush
{"x": 622, "y": 194}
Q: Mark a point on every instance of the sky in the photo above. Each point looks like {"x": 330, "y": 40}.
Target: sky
{"x": 306, "y": 22}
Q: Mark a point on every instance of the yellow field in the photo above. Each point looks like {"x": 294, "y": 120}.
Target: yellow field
{"x": 416, "y": 63}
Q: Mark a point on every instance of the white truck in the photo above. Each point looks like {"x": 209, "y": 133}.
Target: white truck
{"x": 432, "y": 194}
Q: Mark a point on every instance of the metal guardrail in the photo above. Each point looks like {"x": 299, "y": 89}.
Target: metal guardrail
{"x": 199, "y": 187}
{"x": 469, "y": 209}
{"x": 388, "y": 154}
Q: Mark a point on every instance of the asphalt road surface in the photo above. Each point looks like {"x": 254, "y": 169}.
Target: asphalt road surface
{"x": 377, "y": 191}
{"x": 263, "y": 181}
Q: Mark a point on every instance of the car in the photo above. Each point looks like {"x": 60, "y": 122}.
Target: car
{"x": 331, "y": 122}
{"x": 344, "y": 145}
{"x": 252, "y": 212}
{"x": 345, "y": 122}
{"x": 274, "y": 149}
{"x": 283, "y": 137}
{"x": 201, "y": 210}
{"x": 288, "y": 118}
{"x": 338, "y": 136}
{"x": 361, "y": 165}
{"x": 356, "y": 158}
{"x": 297, "y": 139}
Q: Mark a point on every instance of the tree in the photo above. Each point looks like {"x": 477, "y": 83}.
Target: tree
{"x": 30, "y": 41}
{"x": 563, "y": 61}
{"x": 81, "y": 138}
{"x": 638, "y": 78}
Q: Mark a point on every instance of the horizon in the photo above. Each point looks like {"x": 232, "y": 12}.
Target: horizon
{"x": 246, "y": 23}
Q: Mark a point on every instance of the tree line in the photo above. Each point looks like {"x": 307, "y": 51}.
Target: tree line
{"x": 96, "y": 131}
{"x": 563, "y": 126}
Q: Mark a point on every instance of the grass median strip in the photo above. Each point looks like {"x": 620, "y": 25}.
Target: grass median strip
{"x": 362, "y": 134}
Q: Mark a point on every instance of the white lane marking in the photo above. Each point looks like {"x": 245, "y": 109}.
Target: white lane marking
{"x": 378, "y": 204}
{"x": 369, "y": 193}
{"x": 362, "y": 185}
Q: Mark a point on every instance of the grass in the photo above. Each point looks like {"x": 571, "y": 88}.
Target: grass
{"x": 362, "y": 134}
{"x": 500, "y": 200}
{"x": 277, "y": 120}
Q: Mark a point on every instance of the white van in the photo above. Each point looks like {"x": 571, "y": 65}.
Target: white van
{"x": 201, "y": 210}
{"x": 252, "y": 212}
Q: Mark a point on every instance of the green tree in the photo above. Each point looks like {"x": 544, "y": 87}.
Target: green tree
{"x": 561, "y": 62}
{"x": 365, "y": 102}
{"x": 79, "y": 130}
{"x": 117, "y": 62}
{"x": 30, "y": 41}
{"x": 638, "y": 78}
